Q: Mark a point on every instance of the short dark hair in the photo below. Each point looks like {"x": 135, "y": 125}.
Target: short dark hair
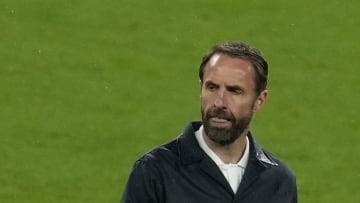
{"x": 243, "y": 51}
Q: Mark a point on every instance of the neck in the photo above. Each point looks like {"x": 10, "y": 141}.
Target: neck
{"x": 231, "y": 153}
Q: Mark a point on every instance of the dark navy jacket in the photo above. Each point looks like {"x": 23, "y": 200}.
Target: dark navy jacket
{"x": 180, "y": 172}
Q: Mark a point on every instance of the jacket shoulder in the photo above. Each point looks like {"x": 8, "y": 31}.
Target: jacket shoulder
{"x": 146, "y": 180}
{"x": 281, "y": 165}
{"x": 163, "y": 154}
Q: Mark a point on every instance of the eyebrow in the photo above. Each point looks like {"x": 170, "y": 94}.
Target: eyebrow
{"x": 228, "y": 87}
{"x": 209, "y": 82}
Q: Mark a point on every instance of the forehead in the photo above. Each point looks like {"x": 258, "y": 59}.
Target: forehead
{"x": 230, "y": 69}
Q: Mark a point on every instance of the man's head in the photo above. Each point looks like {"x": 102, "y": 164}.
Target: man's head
{"x": 243, "y": 51}
{"x": 233, "y": 78}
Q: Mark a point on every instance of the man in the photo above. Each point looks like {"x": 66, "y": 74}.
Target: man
{"x": 217, "y": 160}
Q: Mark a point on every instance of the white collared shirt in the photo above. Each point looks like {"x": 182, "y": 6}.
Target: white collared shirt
{"x": 232, "y": 172}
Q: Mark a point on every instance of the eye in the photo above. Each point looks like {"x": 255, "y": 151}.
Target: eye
{"x": 235, "y": 90}
{"x": 211, "y": 86}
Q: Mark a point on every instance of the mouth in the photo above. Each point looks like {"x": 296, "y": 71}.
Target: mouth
{"x": 219, "y": 122}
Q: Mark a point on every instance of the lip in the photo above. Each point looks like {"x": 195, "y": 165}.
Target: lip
{"x": 219, "y": 122}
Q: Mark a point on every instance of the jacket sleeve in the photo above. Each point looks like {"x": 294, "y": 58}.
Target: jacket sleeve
{"x": 288, "y": 190}
{"x": 143, "y": 185}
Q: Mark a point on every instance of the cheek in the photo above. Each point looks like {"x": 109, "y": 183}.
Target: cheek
{"x": 206, "y": 104}
{"x": 205, "y": 99}
{"x": 243, "y": 107}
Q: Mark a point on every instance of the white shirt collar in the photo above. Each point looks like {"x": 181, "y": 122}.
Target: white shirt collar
{"x": 200, "y": 138}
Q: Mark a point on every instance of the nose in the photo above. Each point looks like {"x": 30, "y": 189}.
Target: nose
{"x": 219, "y": 102}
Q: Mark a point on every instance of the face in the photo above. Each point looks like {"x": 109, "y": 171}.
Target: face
{"x": 228, "y": 98}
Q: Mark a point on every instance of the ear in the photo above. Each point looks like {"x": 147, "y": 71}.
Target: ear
{"x": 260, "y": 101}
{"x": 200, "y": 83}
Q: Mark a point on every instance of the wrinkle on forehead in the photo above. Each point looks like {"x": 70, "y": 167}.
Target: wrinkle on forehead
{"x": 224, "y": 69}
{"x": 218, "y": 59}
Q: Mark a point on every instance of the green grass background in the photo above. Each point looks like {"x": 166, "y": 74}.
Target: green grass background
{"x": 86, "y": 87}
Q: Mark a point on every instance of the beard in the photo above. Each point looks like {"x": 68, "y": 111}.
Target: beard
{"x": 224, "y": 135}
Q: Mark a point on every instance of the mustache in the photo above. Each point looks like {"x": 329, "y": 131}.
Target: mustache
{"x": 219, "y": 113}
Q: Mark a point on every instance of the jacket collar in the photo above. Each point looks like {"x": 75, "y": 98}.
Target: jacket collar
{"x": 188, "y": 143}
